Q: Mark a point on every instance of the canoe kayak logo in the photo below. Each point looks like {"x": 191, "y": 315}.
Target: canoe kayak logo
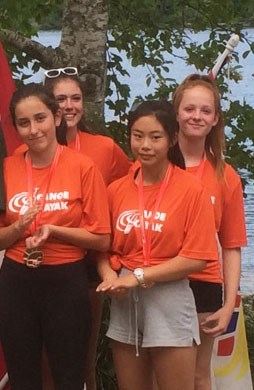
{"x": 55, "y": 201}
{"x": 129, "y": 219}
{"x": 19, "y": 203}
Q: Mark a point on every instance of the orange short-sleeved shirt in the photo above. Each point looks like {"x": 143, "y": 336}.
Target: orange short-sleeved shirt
{"x": 226, "y": 195}
{"x": 183, "y": 225}
{"x": 76, "y": 198}
{"x": 106, "y": 154}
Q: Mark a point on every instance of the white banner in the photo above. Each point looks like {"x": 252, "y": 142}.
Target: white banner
{"x": 230, "y": 363}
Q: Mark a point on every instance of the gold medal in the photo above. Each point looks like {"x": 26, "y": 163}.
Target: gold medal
{"x": 33, "y": 257}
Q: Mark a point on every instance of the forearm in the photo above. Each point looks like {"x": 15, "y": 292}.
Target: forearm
{"x": 173, "y": 269}
{"x": 81, "y": 237}
{"x": 231, "y": 273}
{"x": 103, "y": 267}
{"x": 10, "y": 234}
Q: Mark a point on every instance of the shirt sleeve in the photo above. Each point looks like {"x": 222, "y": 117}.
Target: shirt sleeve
{"x": 232, "y": 233}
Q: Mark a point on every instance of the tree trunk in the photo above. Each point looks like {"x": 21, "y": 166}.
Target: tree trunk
{"x": 83, "y": 44}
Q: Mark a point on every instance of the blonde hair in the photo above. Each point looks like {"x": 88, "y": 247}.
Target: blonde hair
{"x": 215, "y": 140}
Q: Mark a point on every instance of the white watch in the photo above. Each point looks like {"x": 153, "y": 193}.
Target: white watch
{"x": 139, "y": 275}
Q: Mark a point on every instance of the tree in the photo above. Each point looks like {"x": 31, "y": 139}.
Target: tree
{"x": 144, "y": 31}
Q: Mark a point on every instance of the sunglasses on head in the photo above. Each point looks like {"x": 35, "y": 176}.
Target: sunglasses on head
{"x": 68, "y": 71}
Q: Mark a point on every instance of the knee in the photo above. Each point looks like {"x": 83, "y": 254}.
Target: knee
{"x": 203, "y": 380}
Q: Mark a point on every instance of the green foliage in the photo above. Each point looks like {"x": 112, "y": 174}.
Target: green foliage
{"x": 149, "y": 33}
{"x": 248, "y": 307}
{"x": 106, "y": 379}
{"x": 26, "y": 15}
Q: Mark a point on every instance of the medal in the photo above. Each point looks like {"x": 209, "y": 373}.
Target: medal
{"x": 33, "y": 257}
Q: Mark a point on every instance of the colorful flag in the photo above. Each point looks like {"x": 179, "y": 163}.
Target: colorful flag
{"x": 230, "y": 362}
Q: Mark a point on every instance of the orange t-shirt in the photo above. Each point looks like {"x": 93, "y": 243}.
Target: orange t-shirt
{"x": 183, "y": 225}
{"x": 76, "y": 197}
{"x": 106, "y": 154}
{"x": 227, "y": 199}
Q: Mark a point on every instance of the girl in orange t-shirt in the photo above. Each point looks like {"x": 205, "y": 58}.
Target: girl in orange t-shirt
{"x": 202, "y": 140}
{"x": 163, "y": 230}
{"x": 56, "y": 209}
{"x": 112, "y": 163}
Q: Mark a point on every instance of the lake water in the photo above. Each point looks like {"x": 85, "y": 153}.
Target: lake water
{"x": 244, "y": 89}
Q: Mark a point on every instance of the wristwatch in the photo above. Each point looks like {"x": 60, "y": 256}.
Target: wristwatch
{"x": 139, "y": 275}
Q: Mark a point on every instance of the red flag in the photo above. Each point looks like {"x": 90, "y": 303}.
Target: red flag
{"x": 9, "y": 140}
{"x": 7, "y": 87}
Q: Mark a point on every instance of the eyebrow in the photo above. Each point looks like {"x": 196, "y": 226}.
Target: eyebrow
{"x": 153, "y": 131}
{"x": 65, "y": 95}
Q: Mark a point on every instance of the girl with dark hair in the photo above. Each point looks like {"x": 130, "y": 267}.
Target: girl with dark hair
{"x": 161, "y": 218}
{"x": 112, "y": 162}
{"x": 56, "y": 209}
{"x": 202, "y": 141}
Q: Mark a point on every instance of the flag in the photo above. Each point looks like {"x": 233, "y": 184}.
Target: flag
{"x": 230, "y": 362}
{"x": 7, "y": 87}
{"x": 9, "y": 140}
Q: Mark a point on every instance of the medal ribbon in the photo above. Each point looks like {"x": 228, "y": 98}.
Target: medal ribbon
{"x": 146, "y": 234}
{"x": 53, "y": 165}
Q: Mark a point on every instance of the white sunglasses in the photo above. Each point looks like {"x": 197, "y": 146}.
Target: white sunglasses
{"x": 69, "y": 71}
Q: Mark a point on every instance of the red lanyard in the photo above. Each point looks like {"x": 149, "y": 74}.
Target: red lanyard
{"x": 200, "y": 169}
{"x": 77, "y": 142}
{"x": 147, "y": 233}
{"x": 53, "y": 165}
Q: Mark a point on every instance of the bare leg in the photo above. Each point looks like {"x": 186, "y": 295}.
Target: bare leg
{"x": 204, "y": 356}
{"x": 174, "y": 367}
{"x": 133, "y": 373}
{"x": 96, "y": 302}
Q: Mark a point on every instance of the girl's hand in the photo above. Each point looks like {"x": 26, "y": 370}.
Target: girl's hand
{"x": 124, "y": 282}
{"x": 39, "y": 237}
{"x": 217, "y": 323}
{"x": 108, "y": 283}
{"x": 26, "y": 219}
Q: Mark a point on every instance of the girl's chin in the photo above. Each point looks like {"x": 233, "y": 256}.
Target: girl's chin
{"x": 71, "y": 123}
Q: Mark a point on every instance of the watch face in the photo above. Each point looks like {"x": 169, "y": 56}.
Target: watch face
{"x": 139, "y": 273}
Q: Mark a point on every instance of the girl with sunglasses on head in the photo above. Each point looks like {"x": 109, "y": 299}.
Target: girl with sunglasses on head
{"x": 163, "y": 230}
{"x": 201, "y": 139}
{"x": 56, "y": 209}
{"x": 110, "y": 159}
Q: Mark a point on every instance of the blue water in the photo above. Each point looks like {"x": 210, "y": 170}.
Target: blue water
{"x": 239, "y": 91}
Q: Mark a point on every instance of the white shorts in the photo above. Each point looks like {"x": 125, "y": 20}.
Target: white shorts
{"x": 160, "y": 316}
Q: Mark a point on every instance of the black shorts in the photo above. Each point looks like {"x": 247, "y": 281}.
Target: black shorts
{"x": 208, "y": 296}
{"x": 91, "y": 268}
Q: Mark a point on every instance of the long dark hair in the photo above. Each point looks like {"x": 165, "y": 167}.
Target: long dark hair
{"x": 47, "y": 98}
{"x": 164, "y": 112}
